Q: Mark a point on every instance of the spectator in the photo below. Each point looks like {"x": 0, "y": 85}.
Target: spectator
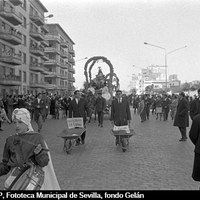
{"x": 194, "y": 136}
{"x": 24, "y": 150}
{"x": 195, "y": 106}
{"x": 182, "y": 117}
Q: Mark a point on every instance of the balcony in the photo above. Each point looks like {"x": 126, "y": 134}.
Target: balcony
{"x": 45, "y": 57}
{"x": 71, "y": 51}
{"x": 38, "y": 84}
{"x": 52, "y": 75}
{"x": 52, "y": 62}
{"x": 45, "y": 28}
{"x": 71, "y": 79}
{"x": 45, "y": 43}
{"x": 37, "y": 35}
{"x": 38, "y": 20}
{"x": 71, "y": 69}
{"x": 52, "y": 50}
{"x": 64, "y": 65}
{"x": 63, "y": 44}
{"x": 37, "y": 51}
{"x": 37, "y": 67}
{"x": 10, "y": 80}
{"x": 52, "y": 38}
{"x": 50, "y": 86}
{"x": 10, "y": 58}
{"x": 71, "y": 60}
{"x": 12, "y": 37}
{"x": 16, "y": 2}
{"x": 10, "y": 15}
{"x": 63, "y": 76}
{"x": 63, "y": 54}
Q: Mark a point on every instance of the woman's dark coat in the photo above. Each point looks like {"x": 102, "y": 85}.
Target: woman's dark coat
{"x": 182, "y": 115}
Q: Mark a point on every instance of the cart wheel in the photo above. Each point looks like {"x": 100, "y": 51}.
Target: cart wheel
{"x": 124, "y": 142}
{"x": 68, "y": 146}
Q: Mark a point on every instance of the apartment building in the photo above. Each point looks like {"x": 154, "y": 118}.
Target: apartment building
{"x": 26, "y": 59}
{"x": 60, "y": 63}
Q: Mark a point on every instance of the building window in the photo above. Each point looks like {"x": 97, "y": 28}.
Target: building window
{"x": 24, "y": 40}
{"x": 24, "y": 22}
{"x": 24, "y": 77}
{"x": 23, "y": 5}
{"x": 24, "y": 58}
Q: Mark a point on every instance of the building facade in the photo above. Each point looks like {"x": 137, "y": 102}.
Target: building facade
{"x": 154, "y": 76}
{"x": 27, "y": 62}
{"x": 60, "y": 62}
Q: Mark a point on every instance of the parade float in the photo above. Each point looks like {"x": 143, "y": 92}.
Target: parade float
{"x": 108, "y": 83}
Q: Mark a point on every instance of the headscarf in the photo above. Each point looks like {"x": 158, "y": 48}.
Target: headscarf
{"x": 24, "y": 115}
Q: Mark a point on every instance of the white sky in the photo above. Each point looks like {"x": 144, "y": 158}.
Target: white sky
{"x": 117, "y": 30}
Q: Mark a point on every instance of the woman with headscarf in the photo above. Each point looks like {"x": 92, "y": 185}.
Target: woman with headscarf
{"x": 23, "y": 149}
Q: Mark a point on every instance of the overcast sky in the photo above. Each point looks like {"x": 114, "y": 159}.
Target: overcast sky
{"x": 117, "y": 30}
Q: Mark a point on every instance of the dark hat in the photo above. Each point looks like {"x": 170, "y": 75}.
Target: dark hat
{"x": 118, "y": 91}
{"x": 76, "y": 91}
{"x": 182, "y": 94}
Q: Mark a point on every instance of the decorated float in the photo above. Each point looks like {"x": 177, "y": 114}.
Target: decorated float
{"x": 108, "y": 83}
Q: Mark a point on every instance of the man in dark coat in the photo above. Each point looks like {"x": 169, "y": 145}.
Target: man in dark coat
{"x": 194, "y": 136}
{"x": 182, "y": 117}
{"x": 78, "y": 107}
{"x": 100, "y": 105}
{"x": 195, "y": 106}
{"x": 39, "y": 110}
{"x": 165, "y": 107}
{"x": 120, "y": 111}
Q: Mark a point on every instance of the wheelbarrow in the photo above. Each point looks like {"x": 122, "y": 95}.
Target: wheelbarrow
{"x": 122, "y": 138}
{"x": 71, "y": 137}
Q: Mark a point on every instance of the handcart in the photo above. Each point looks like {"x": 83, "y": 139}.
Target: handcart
{"x": 71, "y": 137}
{"x": 123, "y": 137}
{"x": 72, "y": 133}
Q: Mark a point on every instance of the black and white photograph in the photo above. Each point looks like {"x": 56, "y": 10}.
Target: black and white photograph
{"x": 99, "y": 95}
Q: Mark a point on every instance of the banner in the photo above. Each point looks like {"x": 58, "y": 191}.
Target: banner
{"x": 75, "y": 122}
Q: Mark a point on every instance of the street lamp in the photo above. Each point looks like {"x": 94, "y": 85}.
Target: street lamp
{"x": 166, "y": 54}
{"x": 49, "y": 16}
{"x": 81, "y": 59}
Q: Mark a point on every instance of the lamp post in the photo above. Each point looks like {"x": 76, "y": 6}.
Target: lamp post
{"x": 81, "y": 59}
{"x": 166, "y": 54}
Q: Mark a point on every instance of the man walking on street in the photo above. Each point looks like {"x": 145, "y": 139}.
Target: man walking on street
{"x": 39, "y": 110}
{"x": 120, "y": 112}
{"x": 78, "y": 107}
{"x": 100, "y": 105}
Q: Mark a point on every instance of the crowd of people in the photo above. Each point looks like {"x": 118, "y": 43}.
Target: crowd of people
{"x": 179, "y": 107}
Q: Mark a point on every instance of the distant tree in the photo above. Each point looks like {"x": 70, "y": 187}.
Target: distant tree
{"x": 194, "y": 87}
{"x": 185, "y": 87}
